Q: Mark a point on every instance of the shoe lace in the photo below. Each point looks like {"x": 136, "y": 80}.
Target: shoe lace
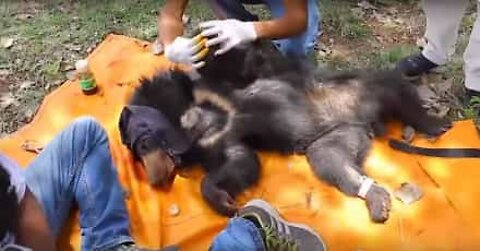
{"x": 276, "y": 241}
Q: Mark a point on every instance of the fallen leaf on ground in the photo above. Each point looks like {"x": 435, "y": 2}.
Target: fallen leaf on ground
{"x": 23, "y": 16}
{"x": 91, "y": 48}
{"x": 421, "y": 42}
{"x": 185, "y": 19}
{"x": 68, "y": 67}
{"x": 6, "y": 100}
{"x": 4, "y": 72}
{"x": 28, "y": 114}
{"x": 71, "y": 74}
{"x": 366, "y": 5}
{"x": 6, "y": 42}
{"x": 26, "y": 84}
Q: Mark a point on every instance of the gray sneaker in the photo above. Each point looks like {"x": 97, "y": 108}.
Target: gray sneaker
{"x": 277, "y": 233}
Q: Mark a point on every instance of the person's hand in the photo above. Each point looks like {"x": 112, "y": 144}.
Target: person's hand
{"x": 228, "y": 33}
{"x": 189, "y": 51}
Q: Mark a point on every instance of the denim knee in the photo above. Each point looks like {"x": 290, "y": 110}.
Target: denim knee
{"x": 88, "y": 126}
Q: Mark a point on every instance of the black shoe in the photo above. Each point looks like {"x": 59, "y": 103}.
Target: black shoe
{"x": 277, "y": 233}
{"x": 472, "y": 93}
{"x": 415, "y": 65}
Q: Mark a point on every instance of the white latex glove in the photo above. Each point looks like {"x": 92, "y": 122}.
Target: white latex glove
{"x": 189, "y": 51}
{"x": 228, "y": 33}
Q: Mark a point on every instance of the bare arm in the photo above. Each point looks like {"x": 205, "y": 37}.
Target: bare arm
{"x": 33, "y": 230}
{"x": 294, "y": 22}
{"x": 170, "y": 23}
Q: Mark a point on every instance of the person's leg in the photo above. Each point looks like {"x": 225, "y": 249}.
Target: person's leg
{"x": 260, "y": 227}
{"x": 240, "y": 234}
{"x": 443, "y": 21}
{"x": 472, "y": 58}
{"x": 299, "y": 46}
{"x": 304, "y": 44}
{"x": 225, "y": 9}
{"x": 76, "y": 166}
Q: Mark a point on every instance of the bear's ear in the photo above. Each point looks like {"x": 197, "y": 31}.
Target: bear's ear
{"x": 123, "y": 125}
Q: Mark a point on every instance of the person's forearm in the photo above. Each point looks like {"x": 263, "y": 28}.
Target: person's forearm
{"x": 293, "y": 23}
{"x": 278, "y": 29}
{"x": 170, "y": 24}
{"x": 169, "y": 29}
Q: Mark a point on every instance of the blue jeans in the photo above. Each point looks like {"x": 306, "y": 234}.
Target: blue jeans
{"x": 76, "y": 166}
{"x": 301, "y": 45}
{"x": 240, "y": 235}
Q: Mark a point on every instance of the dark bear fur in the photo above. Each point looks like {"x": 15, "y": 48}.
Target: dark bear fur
{"x": 253, "y": 99}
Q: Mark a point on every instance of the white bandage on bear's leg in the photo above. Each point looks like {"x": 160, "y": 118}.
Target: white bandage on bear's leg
{"x": 365, "y": 187}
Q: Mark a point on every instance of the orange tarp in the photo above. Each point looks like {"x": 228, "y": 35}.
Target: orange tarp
{"x": 446, "y": 218}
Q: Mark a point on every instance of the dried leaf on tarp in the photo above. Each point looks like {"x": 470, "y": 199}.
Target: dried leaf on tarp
{"x": 408, "y": 193}
{"x": 174, "y": 210}
{"x": 32, "y": 146}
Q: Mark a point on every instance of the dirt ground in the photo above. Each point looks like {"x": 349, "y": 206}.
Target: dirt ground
{"x": 41, "y": 40}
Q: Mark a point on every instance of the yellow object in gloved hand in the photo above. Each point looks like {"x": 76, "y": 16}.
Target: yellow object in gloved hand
{"x": 200, "y": 47}
{"x": 189, "y": 51}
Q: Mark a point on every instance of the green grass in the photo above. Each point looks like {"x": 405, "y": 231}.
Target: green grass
{"x": 471, "y": 110}
{"x": 388, "y": 58}
{"x": 60, "y": 32}
{"x": 81, "y": 24}
{"x": 342, "y": 21}
{"x": 385, "y": 59}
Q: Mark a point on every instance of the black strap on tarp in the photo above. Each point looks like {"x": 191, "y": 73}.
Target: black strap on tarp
{"x": 435, "y": 152}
